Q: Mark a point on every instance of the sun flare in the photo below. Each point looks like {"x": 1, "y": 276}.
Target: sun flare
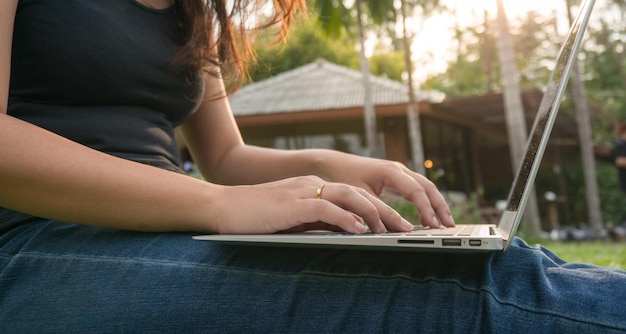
{"x": 512, "y": 8}
{"x": 434, "y": 37}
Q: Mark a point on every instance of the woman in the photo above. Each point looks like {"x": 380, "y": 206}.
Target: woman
{"x": 89, "y": 168}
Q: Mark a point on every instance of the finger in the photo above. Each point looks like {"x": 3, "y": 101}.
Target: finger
{"x": 312, "y": 207}
{"x": 390, "y": 218}
{"x": 356, "y": 201}
{"x": 420, "y": 191}
{"x": 438, "y": 203}
{"x": 327, "y": 212}
{"x": 379, "y": 216}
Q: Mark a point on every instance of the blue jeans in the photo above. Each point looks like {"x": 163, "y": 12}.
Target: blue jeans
{"x": 58, "y": 277}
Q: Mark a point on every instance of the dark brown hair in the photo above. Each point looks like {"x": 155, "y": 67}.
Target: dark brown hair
{"x": 218, "y": 35}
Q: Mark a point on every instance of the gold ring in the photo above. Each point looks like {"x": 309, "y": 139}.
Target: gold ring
{"x": 320, "y": 188}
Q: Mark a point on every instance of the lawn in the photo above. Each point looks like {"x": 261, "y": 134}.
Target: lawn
{"x": 604, "y": 253}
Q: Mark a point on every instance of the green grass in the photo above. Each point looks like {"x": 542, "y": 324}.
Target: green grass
{"x": 603, "y": 253}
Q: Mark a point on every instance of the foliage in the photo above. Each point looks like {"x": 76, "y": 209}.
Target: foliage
{"x": 335, "y": 17}
{"x": 304, "y": 45}
{"x": 567, "y": 180}
{"x": 476, "y": 70}
{"x": 536, "y": 38}
{"x": 307, "y": 42}
{"x": 612, "y": 198}
{"x": 404, "y": 208}
{"x": 605, "y": 64}
{"x": 388, "y": 64}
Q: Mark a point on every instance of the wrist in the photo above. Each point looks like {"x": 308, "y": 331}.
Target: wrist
{"x": 323, "y": 163}
{"x": 203, "y": 207}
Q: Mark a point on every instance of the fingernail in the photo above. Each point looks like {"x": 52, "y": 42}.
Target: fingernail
{"x": 452, "y": 220}
{"x": 359, "y": 227}
{"x": 407, "y": 224}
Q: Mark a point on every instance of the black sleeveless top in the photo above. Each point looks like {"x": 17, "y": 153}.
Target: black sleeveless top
{"x": 101, "y": 73}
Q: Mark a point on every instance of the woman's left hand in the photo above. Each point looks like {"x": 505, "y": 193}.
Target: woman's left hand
{"x": 378, "y": 176}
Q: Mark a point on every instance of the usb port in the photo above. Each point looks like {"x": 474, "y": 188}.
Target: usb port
{"x": 475, "y": 242}
{"x": 451, "y": 242}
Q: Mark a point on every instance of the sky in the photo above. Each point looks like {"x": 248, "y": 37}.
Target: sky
{"x": 434, "y": 43}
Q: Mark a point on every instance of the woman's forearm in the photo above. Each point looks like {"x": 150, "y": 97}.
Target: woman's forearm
{"x": 250, "y": 164}
{"x": 46, "y": 175}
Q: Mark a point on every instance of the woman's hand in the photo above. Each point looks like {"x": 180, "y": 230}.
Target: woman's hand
{"x": 303, "y": 203}
{"x": 381, "y": 176}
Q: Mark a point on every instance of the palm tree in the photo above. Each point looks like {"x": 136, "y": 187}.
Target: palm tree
{"x": 335, "y": 16}
{"x": 412, "y": 112}
{"x": 586, "y": 145}
{"x": 371, "y": 132}
{"x": 514, "y": 112}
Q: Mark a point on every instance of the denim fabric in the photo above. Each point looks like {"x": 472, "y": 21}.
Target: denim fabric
{"x": 58, "y": 277}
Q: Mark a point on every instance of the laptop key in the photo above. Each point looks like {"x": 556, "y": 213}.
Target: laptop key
{"x": 467, "y": 231}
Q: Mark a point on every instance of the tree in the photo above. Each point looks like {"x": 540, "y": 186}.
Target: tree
{"x": 514, "y": 112}
{"x": 412, "y": 112}
{"x": 604, "y": 76}
{"x": 388, "y": 64}
{"x": 371, "y": 129}
{"x": 335, "y": 17}
{"x": 586, "y": 145}
{"x": 304, "y": 37}
{"x": 605, "y": 69}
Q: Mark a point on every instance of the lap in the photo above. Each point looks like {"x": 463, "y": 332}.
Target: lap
{"x": 63, "y": 276}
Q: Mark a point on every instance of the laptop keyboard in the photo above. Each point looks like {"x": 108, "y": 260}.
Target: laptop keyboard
{"x": 464, "y": 230}
{"x": 459, "y": 230}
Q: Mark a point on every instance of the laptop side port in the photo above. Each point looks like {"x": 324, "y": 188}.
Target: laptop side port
{"x": 451, "y": 242}
{"x": 475, "y": 242}
{"x": 416, "y": 241}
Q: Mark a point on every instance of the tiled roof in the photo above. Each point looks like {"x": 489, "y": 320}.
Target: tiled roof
{"x": 318, "y": 86}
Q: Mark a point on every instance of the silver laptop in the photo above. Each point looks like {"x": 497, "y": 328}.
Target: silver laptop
{"x": 473, "y": 237}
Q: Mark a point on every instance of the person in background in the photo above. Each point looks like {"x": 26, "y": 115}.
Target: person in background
{"x": 618, "y": 231}
{"x": 97, "y": 216}
{"x": 619, "y": 154}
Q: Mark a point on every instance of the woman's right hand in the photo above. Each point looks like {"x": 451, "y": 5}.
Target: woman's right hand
{"x": 292, "y": 205}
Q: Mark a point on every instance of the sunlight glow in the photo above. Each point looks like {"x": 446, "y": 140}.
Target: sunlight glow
{"x": 514, "y": 8}
{"x": 433, "y": 42}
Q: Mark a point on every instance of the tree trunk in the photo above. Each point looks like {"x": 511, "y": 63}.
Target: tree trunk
{"x": 515, "y": 120}
{"x": 586, "y": 144}
{"x": 369, "y": 115}
{"x": 412, "y": 112}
